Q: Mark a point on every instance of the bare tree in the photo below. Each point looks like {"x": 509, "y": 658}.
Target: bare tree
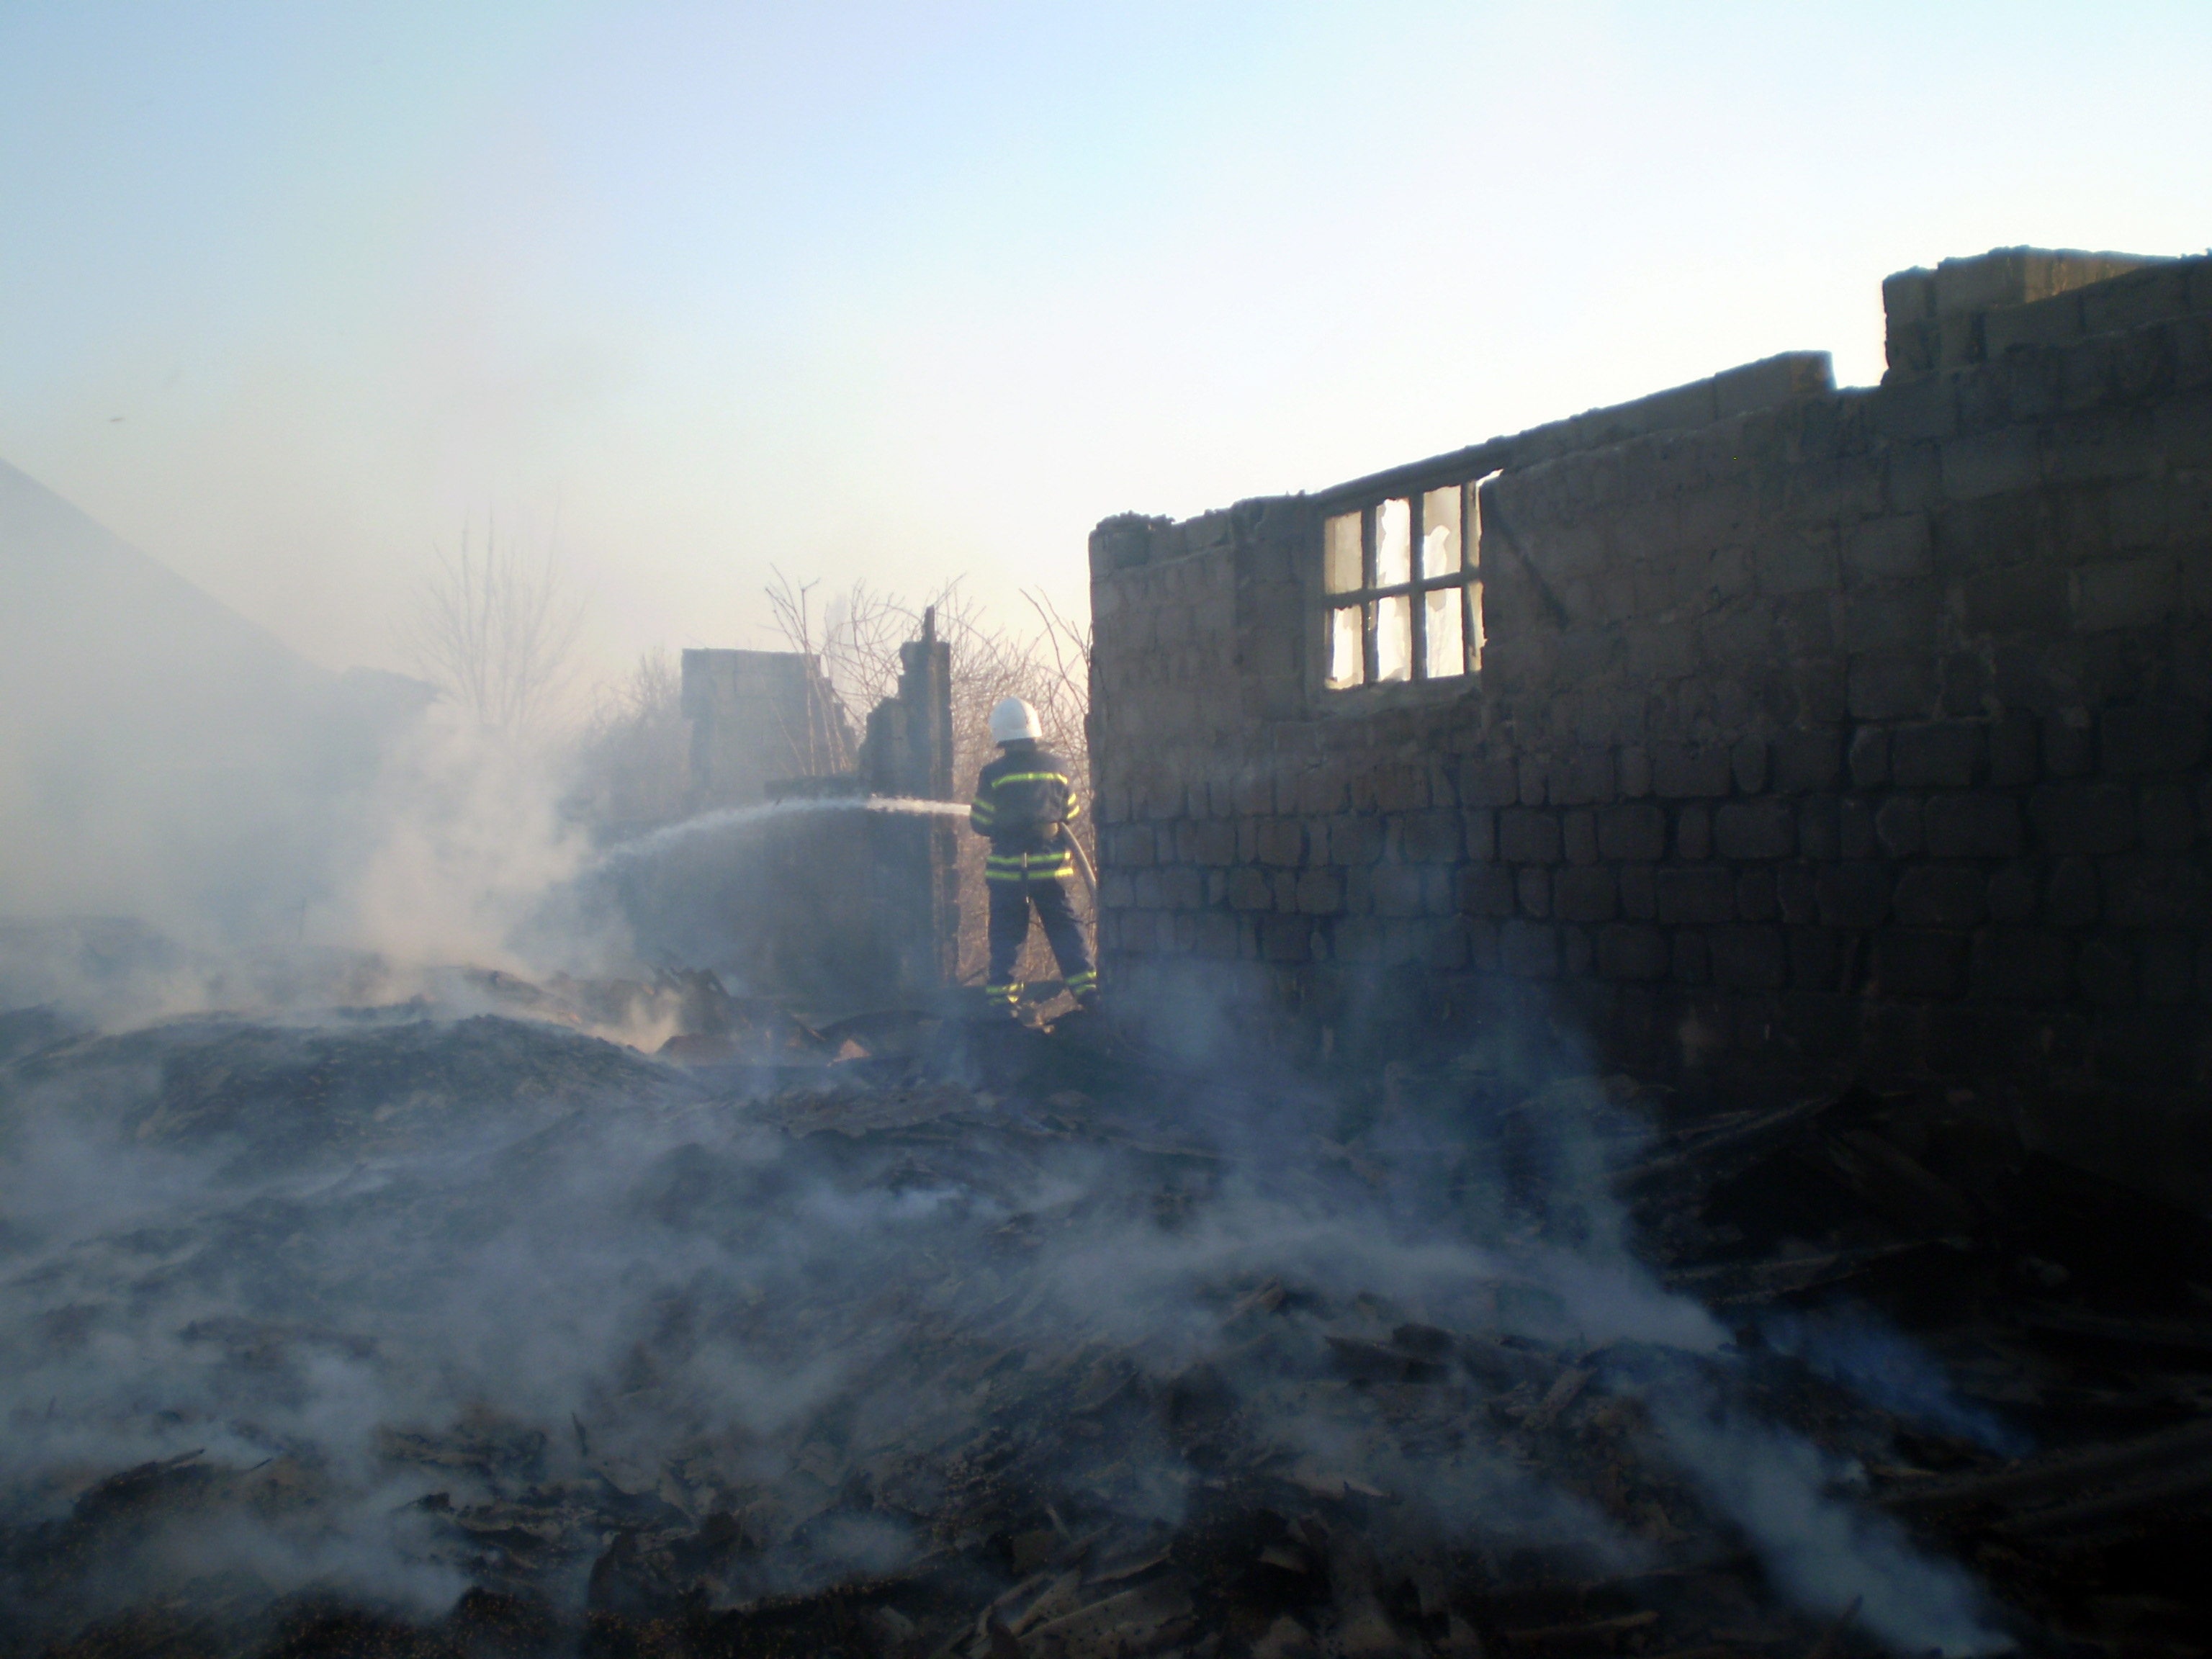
{"x": 633, "y": 760}
{"x": 494, "y": 630}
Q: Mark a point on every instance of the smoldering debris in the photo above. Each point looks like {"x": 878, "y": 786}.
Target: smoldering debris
{"x": 413, "y": 1334}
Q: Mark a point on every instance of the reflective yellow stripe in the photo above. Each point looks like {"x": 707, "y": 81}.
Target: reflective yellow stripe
{"x": 1031, "y": 777}
{"x": 1074, "y": 810}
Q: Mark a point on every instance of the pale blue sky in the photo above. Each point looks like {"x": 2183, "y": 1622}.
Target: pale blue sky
{"x": 912, "y": 290}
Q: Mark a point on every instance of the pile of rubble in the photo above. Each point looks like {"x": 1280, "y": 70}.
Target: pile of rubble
{"x": 385, "y": 1333}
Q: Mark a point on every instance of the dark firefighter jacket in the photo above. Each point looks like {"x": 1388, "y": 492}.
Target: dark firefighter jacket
{"x": 1021, "y": 800}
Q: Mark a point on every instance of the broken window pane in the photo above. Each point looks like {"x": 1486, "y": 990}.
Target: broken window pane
{"x": 1345, "y": 658}
{"x": 1394, "y": 637}
{"x": 1340, "y": 554}
{"x": 1393, "y": 544}
{"x": 1440, "y": 533}
{"x": 1446, "y": 646}
{"x": 1473, "y": 627}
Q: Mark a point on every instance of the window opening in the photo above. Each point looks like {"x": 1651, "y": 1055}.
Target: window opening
{"x": 1402, "y": 589}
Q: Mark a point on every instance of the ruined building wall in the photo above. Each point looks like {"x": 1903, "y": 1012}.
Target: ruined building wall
{"x": 759, "y": 718}
{"x": 1865, "y": 727}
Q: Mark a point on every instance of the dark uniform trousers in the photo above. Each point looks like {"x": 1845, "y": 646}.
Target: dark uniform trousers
{"x": 1010, "y": 926}
{"x": 1023, "y": 803}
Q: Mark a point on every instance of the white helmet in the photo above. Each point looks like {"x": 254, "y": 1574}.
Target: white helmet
{"x": 1012, "y": 719}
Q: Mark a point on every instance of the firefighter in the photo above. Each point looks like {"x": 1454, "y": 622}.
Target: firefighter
{"x": 1023, "y": 803}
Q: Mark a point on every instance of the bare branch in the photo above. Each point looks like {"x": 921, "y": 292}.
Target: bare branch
{"x": 494, "y": 630}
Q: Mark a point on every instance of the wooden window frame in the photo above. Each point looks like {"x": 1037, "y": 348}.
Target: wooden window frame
{"x": 1369, "y": 595}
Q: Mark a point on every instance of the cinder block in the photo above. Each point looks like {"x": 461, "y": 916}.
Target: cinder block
{"x": 1401, "y": 789}
{"x": 2167, "y": 969}
{"x": 1697, "y": 895}
{"x": 1748, "y": 958}
{"x": 2034, "y": 599}
{"x": 1183, "y": 888}
{"x": 1798, "y": 562}
{"x": 1282, "y": 842}
{"x": 1528, "y": 950}
{"x": 1693, "y": 833}
{"x": 1286, "y": 939}
{"x": 1526, "y": 836}
{"x": 2069, "y": 748}
{"x": 2082, "y": 819}
{"x": 1639, "y": 892}
{"x": 1250, "y": 890}
{"x": 1213, "y": 842}
{"x": 1755, "y": 898}
{"x": 2012, "y": 891}
{"x": 1532, "y": 890}
{"x": 1355, "y": 838}
{"x": 1481, "y": 834}
{"x": 1533, "y": 780}
{"x": 1991, "y": 463}
{"x": 2019, "y": 964}
{"x": 1772, "y": 381}
{"x": 1629, "y": 952}
{"x": 1755, "y": 829}
{"x": 2045, "y": 322}
{"x": 1870, "y": 756}
{"x": 2138, "y": 593}
{"x": 2072, "y": 899}
{"x": 1901, "y": 617}
{"x": 2146, "y": 739}
{"x": 1898, "y": 827}
{"x": 1853, "y": 895}
{"x": 1936, "y": 754}
{"x": 1634, "y": 771}
{"x": 2166, "y": 817}
{"x": 1635, "y": 831}
{"x": 1888, "y": 686}
{"x": 1816, "y": 963}
{"x": 1747, "y": 761}
{"x": 1807, "y": 760}
{"x": 1589, "y": 894}
{"x": 1819, "y": 828}
{"x": 2154, "y": 892}
{"x": 2153, "y": 294}
{"x": 1398, "y": 890}
{"x": 1320, "y": 892}
{"x": 1894, "y": 548}
{"x": 1940, "y": 895}
{"x": 1489, "y": 782}
{"x": 2015, "y": 744}
{"x": 1485, "y": 890}
{"x": 1975, "y": 824}
{"x": 1578, "y": 835}
{"x": 1691, "y": 963}
{"x": 1430, "y": 837}
{"x": 1214, "y": 935}
{"x": 2105, "y": 971}
{"x": 1912, "y": 963}
{"x": 1678, "y": 772}
{"x": 1581, "y": 777}
{"x": 1795, "y": 893}
{"x": 1321, "y": 791}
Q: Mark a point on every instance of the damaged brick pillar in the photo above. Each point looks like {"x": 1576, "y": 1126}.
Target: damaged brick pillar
{"x": 908, "y": 754}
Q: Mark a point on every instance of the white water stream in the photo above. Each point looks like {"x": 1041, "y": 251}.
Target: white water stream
{"x": 663, "y": 840}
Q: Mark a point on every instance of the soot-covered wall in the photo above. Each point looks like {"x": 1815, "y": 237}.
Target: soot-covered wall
{"x": 1866, "y": 726}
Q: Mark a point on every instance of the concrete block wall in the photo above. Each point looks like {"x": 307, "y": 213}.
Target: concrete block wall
{"x": 1866, "y": 728}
